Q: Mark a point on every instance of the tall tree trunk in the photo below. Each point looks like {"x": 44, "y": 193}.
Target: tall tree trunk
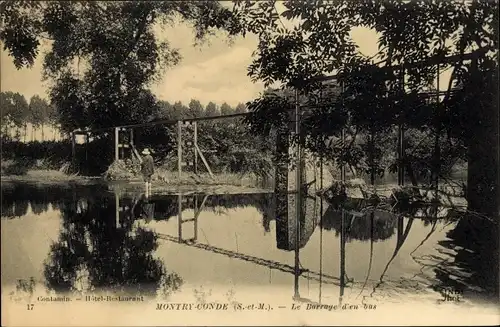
{"x": 42, "y": 133}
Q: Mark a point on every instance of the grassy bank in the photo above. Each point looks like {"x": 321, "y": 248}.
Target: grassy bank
{"x": 46, "y": 176}
{"x": 163, "y": 181}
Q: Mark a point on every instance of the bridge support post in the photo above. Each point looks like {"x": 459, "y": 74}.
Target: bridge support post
{"x": 298, "y": 186}
{"x": 342, "y": 167}
{"x": 117, "y": 209}
{"x": 179, "y": 148}
{"x": 73, "y": 147}
{"x": 86, "y": 148}
{"x": 195, "y": 125}
{"x": 401, "y": 137}
{"x": 117, "y": 156}
{"x": 342, "y": 255}
{"x": 179, "y": 216}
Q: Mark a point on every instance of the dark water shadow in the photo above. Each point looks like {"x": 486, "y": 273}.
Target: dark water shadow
{"x": 474, "y": 268}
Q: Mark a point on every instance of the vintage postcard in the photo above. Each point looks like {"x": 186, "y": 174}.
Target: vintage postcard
{"x": 209, "y": 163}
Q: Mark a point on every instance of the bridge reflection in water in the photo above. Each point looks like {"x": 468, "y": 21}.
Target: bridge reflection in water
{"x": 291, "y": 230}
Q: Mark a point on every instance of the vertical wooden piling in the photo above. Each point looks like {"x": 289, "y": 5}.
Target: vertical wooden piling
{"x": 436, "y": 155}
{"x": 73, "y": 147}
{"x": 195, "y": 147}
{"x": 131, "y": 142}
{"x": 372, "y": 155}
{"x": 298, "y": 184}
{"x": 401, "y": 137}
{"x": 320, "y": 228}
{"x": 117, "y": 209}
{"x": 342, "y": 256}
{"x": 86, "y": 148}
{"x": 179, "y": 216}
{"x": 116, "y": 144}
{"x": 179, "y": 148}
{"x": 342, "y": 167}
{"x": 197, "y": 209}
{"x": 401, "y": 156}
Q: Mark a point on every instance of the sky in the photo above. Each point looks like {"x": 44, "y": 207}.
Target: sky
{"x": 215, "y": 71}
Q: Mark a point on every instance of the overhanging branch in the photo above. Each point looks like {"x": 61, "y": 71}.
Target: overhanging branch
{"x": 439, "y": 59}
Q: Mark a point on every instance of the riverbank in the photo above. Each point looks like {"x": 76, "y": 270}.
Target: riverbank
{"x": 166, "y": 183}
{"x": 48, "y": 177}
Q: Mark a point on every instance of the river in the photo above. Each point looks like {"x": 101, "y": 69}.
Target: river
{"x": 88, "y": 241}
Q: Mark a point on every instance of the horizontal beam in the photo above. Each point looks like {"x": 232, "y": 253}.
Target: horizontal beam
{"x": 409, "y": 65}
{"x": 165, "y": 122}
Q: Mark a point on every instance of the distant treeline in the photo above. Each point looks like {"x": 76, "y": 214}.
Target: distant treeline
{"x": 17, "y": 113}
{"x": 228, "y": 145}
{"x": 166, "y": 110}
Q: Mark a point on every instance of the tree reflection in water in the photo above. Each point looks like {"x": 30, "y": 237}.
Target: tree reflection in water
{"x": 39, "y": 207}
{"x": 93, "y": 254}
{"x": 375, "y": 225}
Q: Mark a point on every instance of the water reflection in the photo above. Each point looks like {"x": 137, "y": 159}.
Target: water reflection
{"x": 287, "y": 225}
{"x": 94, "y": 253}
{"x": 353, "y": 248}
{"x": 369, "y": 225}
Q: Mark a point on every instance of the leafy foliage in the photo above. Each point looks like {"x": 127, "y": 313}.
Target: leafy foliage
{"x": 368, "y": 98}
{"x": 212, "y": 110}
{"x": 103, "y": 55}
{"x": 14, "y": 110}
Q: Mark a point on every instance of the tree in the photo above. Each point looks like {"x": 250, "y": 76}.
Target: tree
{"x": 226, "y": 109}
{"x": 195, "y": 109}
{"x": 165, "y": 111}
{"x": 212, "y": 110}
{"x": 15, "y": 111}
{"x": 6, "y": 111}
{"x": 39, "y": 111}
{"x": 103, "y": 55}
{"x": 181, "y": 111}
{"x": 240, "y": 108}
{"x": 372, "y": 99}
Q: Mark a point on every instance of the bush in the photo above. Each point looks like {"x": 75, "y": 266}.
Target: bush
{"x": 122, "y": 170}
{"x": 15, "y": 168}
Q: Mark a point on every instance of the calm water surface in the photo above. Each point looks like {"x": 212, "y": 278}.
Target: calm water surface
{"x": 86, "y": 240}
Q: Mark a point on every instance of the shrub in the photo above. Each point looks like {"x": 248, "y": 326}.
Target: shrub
{"x": 122, "y": 170}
